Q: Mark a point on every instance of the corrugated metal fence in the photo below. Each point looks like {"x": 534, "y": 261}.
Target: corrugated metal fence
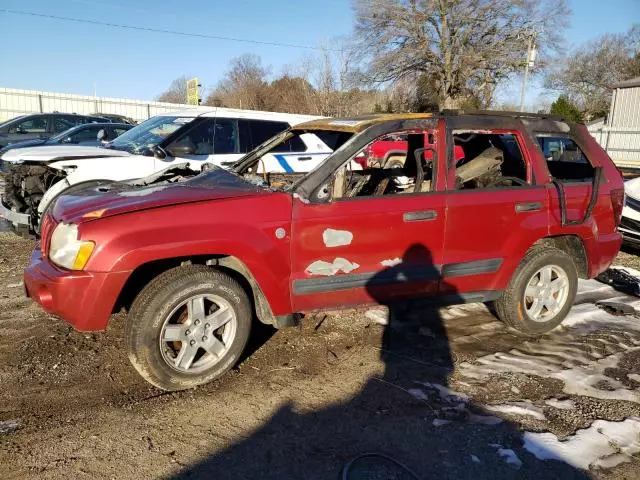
{"x": 14, "y": 102}
{"x": 622, "y": 144}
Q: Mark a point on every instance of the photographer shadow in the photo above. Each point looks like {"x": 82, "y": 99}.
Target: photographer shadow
{"x": 407, "y": 416}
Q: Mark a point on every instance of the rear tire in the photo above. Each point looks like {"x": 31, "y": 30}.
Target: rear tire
{"x": 187, "y": 327}
{"x": 540, "y": 293}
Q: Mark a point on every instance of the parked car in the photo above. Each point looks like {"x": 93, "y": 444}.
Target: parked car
{"x": 86, "y": 134}
{"x": 114, "y": 117}
{"x": 217, "y": 135}
{"x": 630, "y": 224}
{"x": 41, "y": 125}
{"x": 195, "y": 258}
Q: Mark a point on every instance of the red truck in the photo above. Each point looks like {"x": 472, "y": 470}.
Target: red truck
{"x": 195, "y": 260}
{"x": 391, "y": 151}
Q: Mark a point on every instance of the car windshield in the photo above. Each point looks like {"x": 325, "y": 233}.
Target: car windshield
{"x": 148, "y": 134}
{"x": 66, "y": 133}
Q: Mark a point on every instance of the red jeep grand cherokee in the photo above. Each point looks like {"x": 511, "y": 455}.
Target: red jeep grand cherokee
{"x": 195, "y": 260}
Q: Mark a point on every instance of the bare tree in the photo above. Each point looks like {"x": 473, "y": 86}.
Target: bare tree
{"x": 177, "y": 91}
{"x": 464, "y": 47}
{"x": 244, "y": 85}
{"x": 587, "y": 74}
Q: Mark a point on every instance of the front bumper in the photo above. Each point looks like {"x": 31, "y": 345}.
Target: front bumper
{"x": 83, "y": 299}
{"x": 13, "y": 217}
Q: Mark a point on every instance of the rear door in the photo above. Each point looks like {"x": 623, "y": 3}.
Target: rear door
{"x": 495, "y": 209}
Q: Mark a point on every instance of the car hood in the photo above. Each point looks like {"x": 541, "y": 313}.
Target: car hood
{"x": 52, "y": 153}
{"x": 119, "y": 197}
{"x": 632, "y": 188}
{"x": 27, "y": 143}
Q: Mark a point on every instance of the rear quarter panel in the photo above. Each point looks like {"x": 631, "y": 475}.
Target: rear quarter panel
{"x": 243, "y": 227}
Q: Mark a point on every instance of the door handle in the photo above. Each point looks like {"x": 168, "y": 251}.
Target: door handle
{"x": 528, "y": 207}
{"x": 422, "y": 216}
{"x": 302, "y": 159}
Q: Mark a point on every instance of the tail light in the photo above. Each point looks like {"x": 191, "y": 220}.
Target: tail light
{"x": 617, "y": 203}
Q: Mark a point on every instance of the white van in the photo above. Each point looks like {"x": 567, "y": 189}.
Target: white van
{"x": 215, "y": 135}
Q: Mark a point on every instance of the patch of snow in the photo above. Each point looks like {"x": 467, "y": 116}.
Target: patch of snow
{"x": 418, "y": 394}
{"x": 634, "y": 376}
{"x": 518, "y": 408}
{"x": 8, "y": 426}
{"x": 599, "y": 445}
{"x": 381, "y": 317}
{"x": 510, "y": 457}
{"x": 475, "y": 459}
{"x": 438, "y": 422}
{"x": 561, "y": 404}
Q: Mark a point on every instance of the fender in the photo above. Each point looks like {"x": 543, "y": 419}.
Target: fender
{"x": 234, "y": 229}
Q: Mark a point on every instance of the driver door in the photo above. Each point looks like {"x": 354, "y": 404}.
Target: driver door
{"x": 374, "y": 244}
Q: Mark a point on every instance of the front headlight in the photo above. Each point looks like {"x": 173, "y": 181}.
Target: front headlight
{"x": 65, "y": 250}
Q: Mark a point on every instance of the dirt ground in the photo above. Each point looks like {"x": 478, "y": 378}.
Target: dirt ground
{"x": 450, "y": 393}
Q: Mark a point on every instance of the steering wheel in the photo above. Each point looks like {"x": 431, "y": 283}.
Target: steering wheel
{"x": 517, "y": 180}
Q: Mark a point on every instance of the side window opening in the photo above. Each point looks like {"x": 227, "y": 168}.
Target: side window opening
{"x": 565, "y": 161}
{"x": 485, "y": 160}
{"x": 259, "y": 131}
{"x": 207, "y": 137}
{"x": 32, "y": 125}
{"x": 407, "y": 169}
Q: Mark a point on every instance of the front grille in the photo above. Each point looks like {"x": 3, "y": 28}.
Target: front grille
{"x": 46, "y": 229}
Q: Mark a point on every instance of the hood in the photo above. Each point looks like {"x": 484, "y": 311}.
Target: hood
{"x": 51, "y": 153}
{"x": 632, "y": 188}
{"x": 117, "y": 198}
{"x": 26, "y": 143}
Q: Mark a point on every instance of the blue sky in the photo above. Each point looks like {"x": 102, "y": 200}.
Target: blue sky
{"x": 55, "y": 55}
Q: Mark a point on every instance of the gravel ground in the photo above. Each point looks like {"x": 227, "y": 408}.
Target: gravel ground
{"x": 450, "y": 393}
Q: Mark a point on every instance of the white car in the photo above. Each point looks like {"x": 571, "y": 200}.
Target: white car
{"x": 38, "y": 175}
{"x": 630, "y": 223}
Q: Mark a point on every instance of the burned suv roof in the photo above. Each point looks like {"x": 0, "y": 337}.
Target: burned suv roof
{"x": 360, "y": 123}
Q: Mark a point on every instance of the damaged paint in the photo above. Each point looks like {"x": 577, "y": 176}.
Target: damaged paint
{"x": 320, "y": 267}
{"x": 336, "y": 238}
{"x": 95, "y": 213}
{"x": 141, "y": 192}
{"x": 391, "y": 262}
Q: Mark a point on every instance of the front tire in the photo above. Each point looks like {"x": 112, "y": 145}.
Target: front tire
{"x": 188, "y": 327}
{"x": 541, "y": 292}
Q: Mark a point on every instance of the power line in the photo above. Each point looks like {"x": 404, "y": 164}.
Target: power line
{"x": 158, "y": 30}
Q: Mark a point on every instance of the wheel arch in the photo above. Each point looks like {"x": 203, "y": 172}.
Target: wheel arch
{"x": 573, "y": 246}
{"x": 230, "y": 264}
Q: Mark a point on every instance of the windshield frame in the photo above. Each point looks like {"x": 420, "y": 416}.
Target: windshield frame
{"x": 144, "y": 129}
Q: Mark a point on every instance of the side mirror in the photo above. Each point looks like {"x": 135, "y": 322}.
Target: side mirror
{"x": 159, "y": 152}
{"x": 181, "y": 150}
{"x": 102, "y": 135}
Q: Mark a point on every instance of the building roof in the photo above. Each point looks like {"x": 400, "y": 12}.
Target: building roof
{"x": 632, "y": 82}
